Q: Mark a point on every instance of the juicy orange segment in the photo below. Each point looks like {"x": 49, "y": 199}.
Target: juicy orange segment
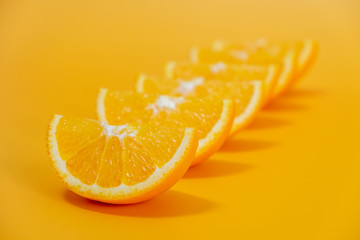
{"x": 296, "y": 57}
{"x": 84, "y": 132}
{"x": 119, "y": 164}
{"x": 110, "y": 173}
{"x": 247, "y": 95}
{"x": 211, "y": 117}
{"x": 139, "y": 165}
{"x": 252, "y": 52}
{"x": 84, "y": 165}
{"x": 226, "y": 72}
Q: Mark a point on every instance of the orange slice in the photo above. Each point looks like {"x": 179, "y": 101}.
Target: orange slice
{"x": 118, "y": 164}
{"x": 297, "y": 57}
{"x": 211, "y": 117}
{"x": 252, "y": 52}
{"x": 226, "y": 72}
{"x": 307, "y": 51}
{"x": 248, "y": 95}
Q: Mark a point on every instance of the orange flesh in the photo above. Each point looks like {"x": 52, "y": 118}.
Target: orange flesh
{"x": 199, "y": 113}
{"x": 111, "y": 168}
{"x": 110, "y": 159}
{"x": 163, "y": 147}
{"x": 253, "y": 52}
{"x": 84, "y": 165}
{"x": 274, "y": 54}
{"x": 240, "y": 91}
{"x": 303, "y": 66}
{"x": 257, "y": 51}
{"x": 229, "y": 72}
{"x": 139, "y": 165}
{"x": 188, "y": 71}
{"x": 82, "y": 132}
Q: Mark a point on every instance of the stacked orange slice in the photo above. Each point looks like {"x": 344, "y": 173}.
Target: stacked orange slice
{"x": 146, "y": 140}
{"x": 307, "y": 51}
{"x": 119, "y": 164}
{"x": 294, "y": 59}
{"x": 211, "y": 117}
{"x": 248, "y": 95}
{"x": 227, "y": 73}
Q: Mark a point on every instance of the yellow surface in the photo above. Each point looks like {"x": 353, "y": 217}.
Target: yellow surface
{"x": 294, "y": 174}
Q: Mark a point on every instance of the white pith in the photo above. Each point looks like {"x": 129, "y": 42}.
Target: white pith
{"x": 120, "y": 131}
{"x": 164, "y": 102}
{"x": 218, "y": 45}
{"x": 217, "y": 67}
{"x": 240, "y": 55}
{"x": 186, "y": 87}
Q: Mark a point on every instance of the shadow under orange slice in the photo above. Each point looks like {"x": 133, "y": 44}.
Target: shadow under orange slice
{"x": 243, "y": 145}
{"x": 216, "y": 168}
{"x": 170, "y": 204}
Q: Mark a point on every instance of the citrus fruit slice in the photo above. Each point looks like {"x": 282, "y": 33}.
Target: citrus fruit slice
{"x": 307, "y": 51}
{"x": 226, "y": 72}
{"x": 297, "y": 56}
{"x": 118, "y": 164}
{"x": 211, "y": 117}
{"x": 252, "y": 52}
{"x": 247, "y": 95}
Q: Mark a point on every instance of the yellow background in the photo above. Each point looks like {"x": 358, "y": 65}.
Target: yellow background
{"x": 293, "y": 174}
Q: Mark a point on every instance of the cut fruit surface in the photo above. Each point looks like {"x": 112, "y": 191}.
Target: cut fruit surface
{"x": 247, "y": 95}
{"x": 296, "y": 57}
{"x": 259, "y": 51}
{"x": 119, "y": 164}
{"x": 226, "y": 72}
{"x": 307, "y": 51}
{"x": 212, "y": 117}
